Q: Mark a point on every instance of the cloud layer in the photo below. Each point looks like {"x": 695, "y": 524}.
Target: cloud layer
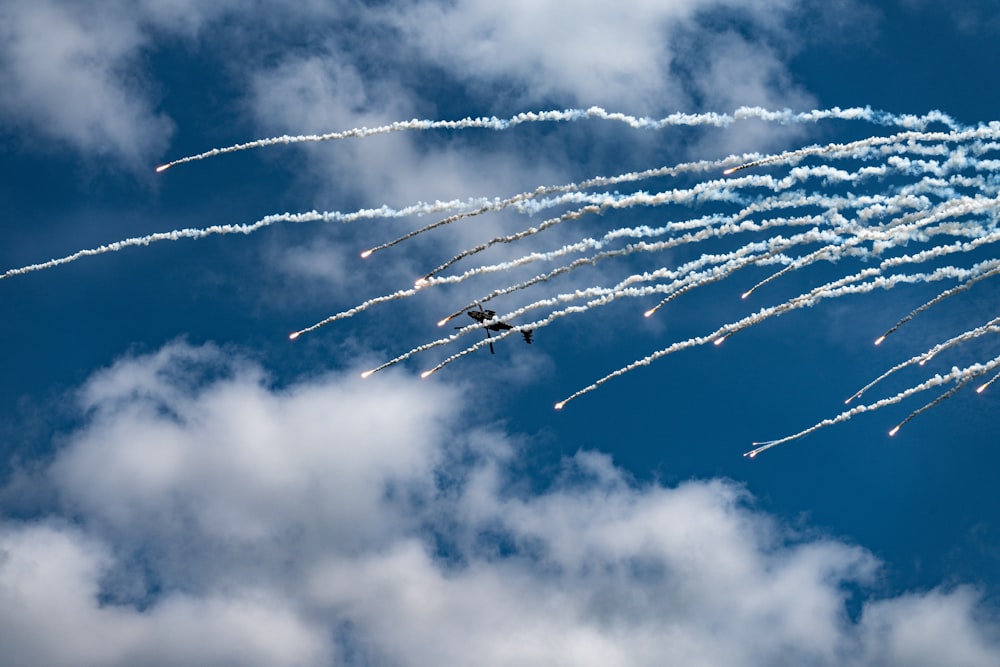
{"x": 204, "y": 516}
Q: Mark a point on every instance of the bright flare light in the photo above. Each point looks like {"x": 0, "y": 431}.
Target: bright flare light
{"x": 894, "y": 431}
{"x": 426, "y": 374}
{"x": 878, "y": 341}
{"x": 559, "y": 405}
{"x": 366, "y": 254}
{"x": 162, "y": 168}
{"x": 367, "y": 374}
{"x": 293, "y": 336}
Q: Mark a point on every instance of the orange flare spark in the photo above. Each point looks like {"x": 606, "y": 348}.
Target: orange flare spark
{"x": 878, "y": 341}
{"x": 894, "y": 431}
{"x": 366, "y": 254}
{"x": 162, "y": 168}
{"x": 293, "y": 336}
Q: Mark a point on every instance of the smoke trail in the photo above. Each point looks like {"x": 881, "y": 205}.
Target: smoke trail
{"x": 981, "y": 388}
{"x": 930, "y": 184}
{"x": 596, "y": 113}
{"x": 934, "y": 214}
{"x": 701, "y": 192}
{"x": 929, "y": 217}
{"x": 961, "y": 375}
{"x": 544, "y": 191}
{"x": 216, "y": 230}
{"x": 351, "y": 312}
{"x": 937, "y": 401}
{"x": 830, "y": 290}
{"x": 951, "y": 191}
{"x": 605, "y": 296}
{"x": 993, "y": 326}
{"x": 958, "y": 289}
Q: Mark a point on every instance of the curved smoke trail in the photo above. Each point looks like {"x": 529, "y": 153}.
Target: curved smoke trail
{"x": 900, "y": 203}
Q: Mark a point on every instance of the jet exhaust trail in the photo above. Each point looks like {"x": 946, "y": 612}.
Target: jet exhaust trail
{"x": 890, "y": 209}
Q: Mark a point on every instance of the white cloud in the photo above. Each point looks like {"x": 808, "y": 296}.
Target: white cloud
{"x": 620, "y": 54}
{"x": 594, "y": 52}
{"x": 217, "y": 520}
{"x": 68, "y": 72}
{"x": 51, "y": 614}
{"x": 237, "y": 463}
{"x": 934, "y": 628}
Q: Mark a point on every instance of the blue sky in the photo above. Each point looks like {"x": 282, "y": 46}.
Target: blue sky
{"x": 181, "y": 484}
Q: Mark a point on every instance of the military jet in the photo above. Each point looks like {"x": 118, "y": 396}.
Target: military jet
{"x": 483, "y": 316}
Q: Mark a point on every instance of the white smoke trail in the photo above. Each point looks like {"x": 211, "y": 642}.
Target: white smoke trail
{"x": 861, "y": 201}
{"x": 961, "y": 375}
{"x": 596, "y": 113}
{"x": 931, "y": 215}
{"x": 902, "y": 141}
{"x": 830, "y": 290}
{"x": 605, "y": 296}
{"x": 885, "y": 204}
{"x": 981, "y": 388}
{"x": 524, "y": 198}
{"x": 420, "y": 208}
{"x": 958, "y": 289}
{"x": 993, "y": 326}
{"x": 715, "y": 189}
{"x": 953, "y": 191}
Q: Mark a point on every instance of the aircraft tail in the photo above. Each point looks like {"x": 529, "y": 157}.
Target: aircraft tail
{"x": 527, "y": 335}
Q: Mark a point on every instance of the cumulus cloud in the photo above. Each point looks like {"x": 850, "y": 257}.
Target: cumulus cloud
{"x": 549, "y": 51}
{"x": 205, "y": 516}
{"x": 51, "y": 613}
{"x": 69, "y": 74}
